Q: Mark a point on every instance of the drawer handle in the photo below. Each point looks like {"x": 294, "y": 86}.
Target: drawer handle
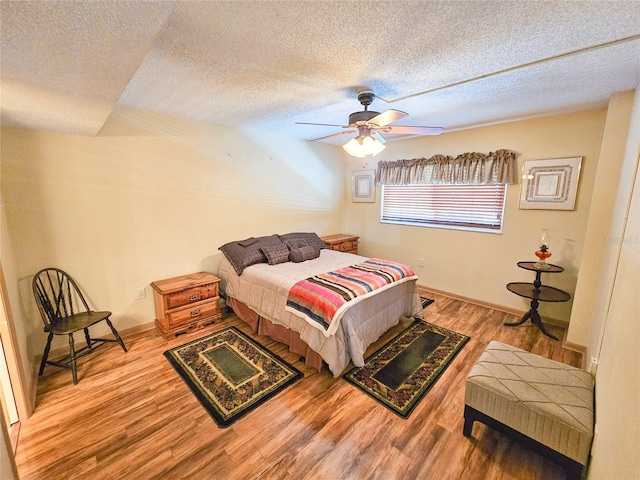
{"x": 194, "y": 313}
{"x": 194, "y": 296}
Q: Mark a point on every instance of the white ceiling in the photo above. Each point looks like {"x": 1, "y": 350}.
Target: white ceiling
{"x": 264, "y": 65}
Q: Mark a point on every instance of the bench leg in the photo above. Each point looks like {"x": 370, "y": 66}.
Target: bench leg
{"x": 574, "y": 470}
{"x": 469, "y": 418}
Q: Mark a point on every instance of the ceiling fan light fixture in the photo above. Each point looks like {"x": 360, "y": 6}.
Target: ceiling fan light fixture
{"x": 354, "y": 148}
{"x": 373, "y": 145}
{"x": 363, "y": 146}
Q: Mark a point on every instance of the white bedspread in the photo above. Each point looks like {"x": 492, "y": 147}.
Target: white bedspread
{"x": 264, "y": 288}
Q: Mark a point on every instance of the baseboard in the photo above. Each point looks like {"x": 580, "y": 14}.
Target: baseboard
{"x": 581, "y": 349}
{"x": 137, "y": 329}
{"x": 33, "y": 385}
{"x": 512, "y": 311}
{"x": 494, "y": 306}
{"x": 14, "y": 434}
{"x": 481, "y": 303}
{"x": 123, "y": 334}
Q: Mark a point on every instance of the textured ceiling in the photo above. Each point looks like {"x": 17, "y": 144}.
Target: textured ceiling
{"x": 264, "y": 65}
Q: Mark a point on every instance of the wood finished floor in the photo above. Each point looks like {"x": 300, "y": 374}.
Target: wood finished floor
{"x": 132, "y": 417}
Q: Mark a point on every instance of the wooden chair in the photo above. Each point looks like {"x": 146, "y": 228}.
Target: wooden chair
{"x": 64, "y": 311}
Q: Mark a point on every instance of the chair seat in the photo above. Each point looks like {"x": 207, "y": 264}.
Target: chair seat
{"x": 77, "y": 322}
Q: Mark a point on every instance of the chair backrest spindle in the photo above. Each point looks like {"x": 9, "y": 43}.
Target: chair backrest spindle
{"x": 54, "y": 291}
{"x": 48, "y": 314}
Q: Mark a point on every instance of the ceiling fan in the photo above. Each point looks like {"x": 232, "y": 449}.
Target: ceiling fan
{"x": 369, "y": 125}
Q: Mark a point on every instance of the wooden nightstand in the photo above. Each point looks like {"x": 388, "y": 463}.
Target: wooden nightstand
{"x": 186, "y": 303}
{"x": 342, "y": 243}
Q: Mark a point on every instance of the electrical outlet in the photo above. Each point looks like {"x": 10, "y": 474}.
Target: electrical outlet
{"x": 142, "y": 293}
{"x": 421, "y": 262}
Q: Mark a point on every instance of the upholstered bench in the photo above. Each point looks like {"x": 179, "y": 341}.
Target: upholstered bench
{"x": 546, "y": 404}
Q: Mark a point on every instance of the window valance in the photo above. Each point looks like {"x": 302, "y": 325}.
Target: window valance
{"x": 468, "y": 168}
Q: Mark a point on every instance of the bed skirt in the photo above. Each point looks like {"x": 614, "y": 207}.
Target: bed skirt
{"x": 263, "y": 326}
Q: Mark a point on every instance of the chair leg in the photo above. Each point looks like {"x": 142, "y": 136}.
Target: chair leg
{"x": 115, "y": 334}
{"x": 45, "y": 355}
{"x": 87, "y": 337}
{"x": 72, "y": 360}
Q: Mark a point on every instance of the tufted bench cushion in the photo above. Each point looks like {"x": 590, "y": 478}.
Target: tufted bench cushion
{"x": 543, "y": 400}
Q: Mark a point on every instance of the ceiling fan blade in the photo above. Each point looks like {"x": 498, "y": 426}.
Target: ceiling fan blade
{"x": 333, "y": 135}
{"x": 390, "y": 116}
{"x": 411, "y": 130}
{"x": 375, "y": 134}
{"x": 323, "y": 124}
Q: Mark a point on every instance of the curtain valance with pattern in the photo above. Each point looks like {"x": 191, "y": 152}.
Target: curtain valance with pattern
{"x": 468, "y": 168}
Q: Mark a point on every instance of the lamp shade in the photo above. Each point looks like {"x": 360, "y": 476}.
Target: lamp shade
{"x": 362, "y": 146}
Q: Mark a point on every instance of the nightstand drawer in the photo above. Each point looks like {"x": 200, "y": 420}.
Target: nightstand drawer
{"x": 346, "y": 246}
{"x": 196, "y": 294}
{"x": 194, "y": 313}
{"x": 342, "y": 243}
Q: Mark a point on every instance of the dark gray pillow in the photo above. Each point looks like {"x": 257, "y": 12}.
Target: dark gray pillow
{"x": 242, "y": 257}
{"x": 309, "y": 237}
{"x": 296, "y": 243}
{"x": 276, "y": 253}
{"x": 248, "y": 241}
{"x": 302, "y": 254}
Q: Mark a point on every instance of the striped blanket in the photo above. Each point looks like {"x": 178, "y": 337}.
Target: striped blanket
{"x": 322, "y": 299}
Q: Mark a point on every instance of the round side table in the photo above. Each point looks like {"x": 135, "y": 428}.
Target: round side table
{"x": 537, "y": 293}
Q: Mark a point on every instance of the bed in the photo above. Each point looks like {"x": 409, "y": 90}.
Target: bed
{"x": 257, "y": 289}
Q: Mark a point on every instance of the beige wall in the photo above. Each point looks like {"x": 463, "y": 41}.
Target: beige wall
{"x": 154, "y": 197}
{"x": 479, "y": 265}
{"x": 615, "y": 335}
{"x": 614, "y": 183}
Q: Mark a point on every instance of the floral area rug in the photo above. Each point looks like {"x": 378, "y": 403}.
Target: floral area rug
{"x": 230, "y": 374}
{"x": 401, "y": 373}
{"x": 425, "y": 301}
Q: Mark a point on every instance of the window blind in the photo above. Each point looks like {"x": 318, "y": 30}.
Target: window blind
{"x": 474, "y": 207}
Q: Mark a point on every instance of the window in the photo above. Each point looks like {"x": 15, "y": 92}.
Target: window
{"x": 464, "y": 207}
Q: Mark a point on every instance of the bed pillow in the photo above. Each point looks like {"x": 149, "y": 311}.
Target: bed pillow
{"x": 241, "y": 257}
{"x": 302, "y": 254}
{"x": 309, "y": 237}
{"x": 296, "y": 243}
{"x": 247, "y": 242}
{"x": 276, "y": 253}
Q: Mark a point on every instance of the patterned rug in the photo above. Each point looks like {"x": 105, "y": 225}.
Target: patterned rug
{"x": 401, "y": 373}
{"x": 426, "y": 301}
{"x": 230, "y": 374}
